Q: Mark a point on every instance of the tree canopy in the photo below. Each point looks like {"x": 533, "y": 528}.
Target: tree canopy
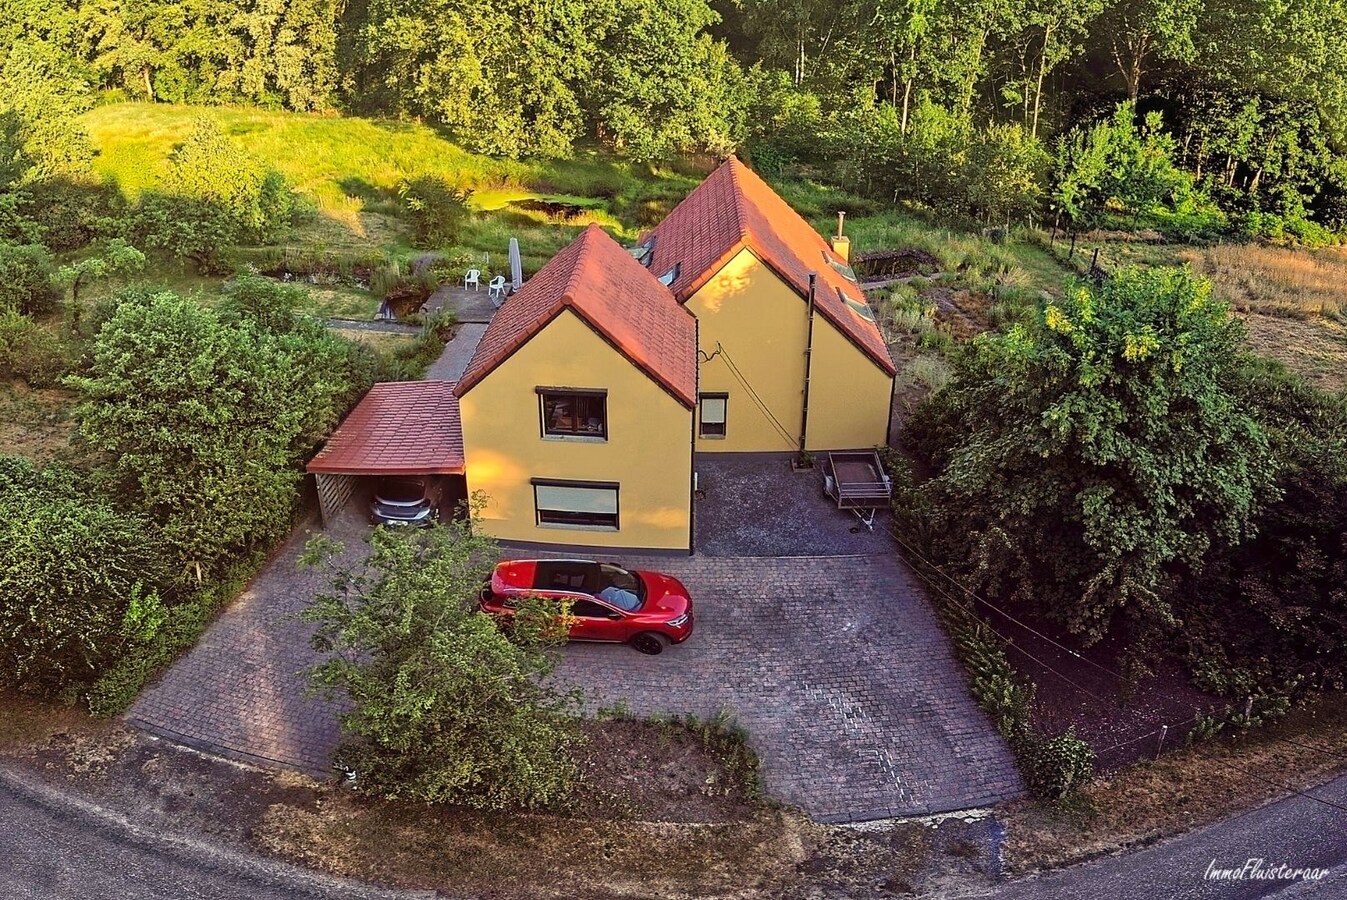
{"x": 1087, "y": 460}
{"x": 446, "y": 707}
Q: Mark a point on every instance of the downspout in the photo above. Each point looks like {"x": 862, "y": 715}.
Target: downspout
{"x": 808, "y": 358}
{"x": 692, "y": 482}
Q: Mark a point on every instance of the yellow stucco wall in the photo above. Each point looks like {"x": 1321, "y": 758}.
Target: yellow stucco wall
{"x": 647, "y": 451}
{"x": 848, "y": 394}
{"x": 762, "y": 325}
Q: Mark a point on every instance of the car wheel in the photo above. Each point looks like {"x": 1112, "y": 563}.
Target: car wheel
{"x": 650, "y": 643}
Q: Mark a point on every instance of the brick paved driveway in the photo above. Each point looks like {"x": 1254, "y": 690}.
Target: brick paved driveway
{"x": 835, "y": 665}
{"x": 839, "y": 671}
{"x": 241, "y": 691}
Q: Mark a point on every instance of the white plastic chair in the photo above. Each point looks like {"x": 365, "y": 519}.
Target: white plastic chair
{"x": 472, "y": 277}
{"x": 496, "y": 290}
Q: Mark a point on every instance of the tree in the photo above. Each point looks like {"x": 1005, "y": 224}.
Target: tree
{"x": 446, "y": 708}
{"x": 213, "y": 196}
{"x": 662, "y": 85}
{"x": 438, "y": 210}
{"x": 116, "y": 258}
{"x": 206, "y": 421}
{"x": 1085, "y": 460}
{"x": 1140, "y": 30}
{"x": 76, "y": 579}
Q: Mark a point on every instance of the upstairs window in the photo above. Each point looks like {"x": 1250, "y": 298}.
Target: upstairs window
{"x": 574, "y": 413}
{"x": 714, "y": 408}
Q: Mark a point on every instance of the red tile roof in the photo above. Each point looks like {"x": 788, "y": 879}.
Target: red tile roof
{"x": 599, "y": 281}
{"x": 398, "y": 428}
{"x": 734, "y": 208}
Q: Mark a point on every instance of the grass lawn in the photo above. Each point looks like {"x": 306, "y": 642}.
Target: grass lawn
{"x": 348, "y": 168}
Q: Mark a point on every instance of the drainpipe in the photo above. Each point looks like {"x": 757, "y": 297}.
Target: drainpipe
{"x": 808, "y": 358}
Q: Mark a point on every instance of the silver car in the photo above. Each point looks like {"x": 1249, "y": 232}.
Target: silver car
{"x": 405, "y": 500}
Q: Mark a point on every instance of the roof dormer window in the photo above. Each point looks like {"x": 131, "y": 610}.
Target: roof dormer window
{"x": 670, "y": 276}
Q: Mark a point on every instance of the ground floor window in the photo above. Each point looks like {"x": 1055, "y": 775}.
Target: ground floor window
{"x": 713, "y": 409}
{"x": 576, "y": 504}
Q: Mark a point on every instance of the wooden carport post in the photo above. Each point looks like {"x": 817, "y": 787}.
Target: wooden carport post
{"x": 334, "y": 492}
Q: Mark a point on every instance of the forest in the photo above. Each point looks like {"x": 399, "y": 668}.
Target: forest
{"x": 1200, "y": 118}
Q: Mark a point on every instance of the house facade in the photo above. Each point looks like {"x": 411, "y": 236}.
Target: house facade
{"x": 577, "y": 407}
{"x": 791, "y": 357}
{"x": 732, "y": 327}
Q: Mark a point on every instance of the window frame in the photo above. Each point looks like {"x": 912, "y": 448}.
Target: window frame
{"x": 724, "y": 423}
{"x": 539, "y": 511}
{"x": 575, "y": 393}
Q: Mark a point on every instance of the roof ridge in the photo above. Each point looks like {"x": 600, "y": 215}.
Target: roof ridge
{"x": 584, "y": 244}
{"x": 740, "y": 198}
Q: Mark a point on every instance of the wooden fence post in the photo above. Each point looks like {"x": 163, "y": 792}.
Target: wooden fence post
{"x": 1164, "y": 730}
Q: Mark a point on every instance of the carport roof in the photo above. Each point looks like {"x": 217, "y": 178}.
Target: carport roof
{"x": 398, "y": 428}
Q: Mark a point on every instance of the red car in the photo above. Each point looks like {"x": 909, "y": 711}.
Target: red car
{"x": 645, "y": 609}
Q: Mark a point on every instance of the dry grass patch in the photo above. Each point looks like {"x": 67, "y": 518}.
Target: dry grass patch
{"x": 413, "y": 846}
{"x": 26, "y": 723}
{"x": 1276, "y": 280}
{"x": 1314, "y": 349}
{"x": 1141, "y": 804}
{"x": 35, "y": 423}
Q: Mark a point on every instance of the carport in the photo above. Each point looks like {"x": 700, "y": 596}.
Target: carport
{"x": 398, "y": 428}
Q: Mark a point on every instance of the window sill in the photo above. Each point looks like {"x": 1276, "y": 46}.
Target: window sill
{"x": 711, "y": 437}
{"x": 576, "y": 438}
{"x": 560, "y": 527}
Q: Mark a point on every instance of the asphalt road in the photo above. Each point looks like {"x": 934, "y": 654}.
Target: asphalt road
{"x": 55, "y": 847}
{"x": 1297, "y": 832}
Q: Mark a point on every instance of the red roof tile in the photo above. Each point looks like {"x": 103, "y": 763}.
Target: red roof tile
{"x": 734, "y": 208}
{"x": 398, "y": 428}
{"x": 600, "y": 282}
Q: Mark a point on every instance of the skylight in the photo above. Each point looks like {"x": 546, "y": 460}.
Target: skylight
{"x": 861, "y": 309}
{"x": 670, "y": 276}
{"x": 842, "y": 268}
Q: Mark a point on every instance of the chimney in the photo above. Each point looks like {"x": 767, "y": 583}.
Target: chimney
{"x": 842, "y": 243}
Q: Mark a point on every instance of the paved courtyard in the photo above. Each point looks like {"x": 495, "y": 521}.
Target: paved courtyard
{"x": 838, "y": 670}
{"x": 833, "y": 662}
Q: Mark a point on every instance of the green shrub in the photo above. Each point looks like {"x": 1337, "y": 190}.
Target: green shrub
{"x": 438, "y": 210}
{"x": 445, "y": 706}
{"x": 207, "y": 418}
{"x": 1054, "y": 768}
{"x": 26, "y": 279}
{"x": 148, "y": 653}
{"x": 76, "y": 579}
{"x": 212, "y": 196}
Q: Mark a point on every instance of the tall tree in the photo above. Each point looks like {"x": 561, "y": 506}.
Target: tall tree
{"x": 1086, "y": 459}
{"x": 1139, "y": 31}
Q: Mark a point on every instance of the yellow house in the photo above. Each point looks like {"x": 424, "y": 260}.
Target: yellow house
{"x": 791, "y": 357}
{"x": 577, "y": 406}
{"x": 732, "y": 327}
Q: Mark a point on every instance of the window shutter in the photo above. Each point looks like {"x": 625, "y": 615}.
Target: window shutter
{"x": 598, "y": 501}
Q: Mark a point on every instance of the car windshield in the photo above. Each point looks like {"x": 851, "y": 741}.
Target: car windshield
{"x": 621, "y": 588}
{"x": 400, "y": 490}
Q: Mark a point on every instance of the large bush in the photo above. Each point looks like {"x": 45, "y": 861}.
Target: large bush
{"x": 26, "y": 278}
{"x": 213, "y": 195}
{"x": 206, "y": 419}
{"x": 77, "y": 579}
{"x": 1083, "y": 461}
{"x": 1268, "y": 615}
{"x": 437, "y": 209}
{"x": 445, "y": 708}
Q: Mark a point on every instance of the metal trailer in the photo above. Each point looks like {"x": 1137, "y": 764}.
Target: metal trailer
{"x": 856, "y": 481}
